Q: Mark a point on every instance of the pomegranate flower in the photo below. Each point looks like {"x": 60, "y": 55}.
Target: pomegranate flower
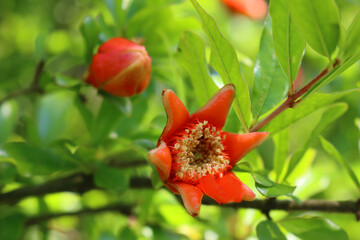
{"x": 194, "y": 157}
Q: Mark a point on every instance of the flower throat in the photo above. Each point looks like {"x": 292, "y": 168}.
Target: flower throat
{"x": 197, "y": 152}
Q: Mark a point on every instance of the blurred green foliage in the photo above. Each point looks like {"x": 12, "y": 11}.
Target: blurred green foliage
{"x": 64, "y": 127}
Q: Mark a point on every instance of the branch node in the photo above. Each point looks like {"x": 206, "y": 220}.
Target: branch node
{"x": 357, "y": 211}
{"x": 268, "y": 205}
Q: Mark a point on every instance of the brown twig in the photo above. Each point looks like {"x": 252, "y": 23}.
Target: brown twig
{"x": 262, "y": 205}
{"x": 34, "y": 86}
{"x": 291, "y": 100}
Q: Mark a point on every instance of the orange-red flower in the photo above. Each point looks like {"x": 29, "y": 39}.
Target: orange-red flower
{"x": 121, "y": 68}
{"x": 255, "y": 9}
{"x": 194, "y": 157}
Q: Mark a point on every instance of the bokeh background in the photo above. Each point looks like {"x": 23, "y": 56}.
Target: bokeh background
{"x": 67, "y": 118}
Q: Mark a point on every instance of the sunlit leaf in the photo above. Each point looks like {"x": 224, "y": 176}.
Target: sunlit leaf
{"x": 268, "y": 230}
{"x": 225, "y": 62}
{"x": 276, "y": 190}
{"x": 288, "y": 43}
{"x": 191, "y": 54}
{"x": 259, "y": 178}
{"x": 313, "y": 228}
{"x": 319, "y": 23}
{"x": 270, "y": 82}
{"x": 281, "y": 142}
{"x": 330, "y": 114}
{"x": 351, "y": 43}
{"x": 8, "y": 117}
{"x": 333, "y": 152}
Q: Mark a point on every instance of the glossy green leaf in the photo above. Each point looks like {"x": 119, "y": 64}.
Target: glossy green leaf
{"x": 288, "y": 43}
{"x": 329, "y": 115}
{"x": 8, "y": 116}
{"x": 313, "y": 228}
{"x": 90, "y": 32}
{"x": 52, "y": 114}
{"x": 31, "y": 160}
{"x": 333, "y": 152}
{"x": 259, "y": 178}
{"x": 304, "y": 108}
{"x": 113, "y": 179}
{"x": 224, "y": 60}
{"x": 191, "y": 54}
{"x": 11, "y": 226}
{"x": 106, "y": 120}
{"x": 281, "y": 142}
{"x": 268, "y": 230}
{"x": 270, "y": 82}
{"x": 276, "y": 190}
{"x": 352, "y": 43}
{"x": 319, "y": 23}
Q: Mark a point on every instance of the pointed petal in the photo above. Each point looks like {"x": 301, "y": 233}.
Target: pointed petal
{"x": 161, "y": 158}
{"x": 227, "y": 189}
{"x": 191, "y": 197}
{"x": 248, "y": 194}
{"x": 238, "y": 145}
{"x": 215, "y": 111}
{"x": 177, "y": 114}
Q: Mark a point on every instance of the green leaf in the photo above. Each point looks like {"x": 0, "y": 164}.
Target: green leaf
{"x": 40, "y": 45}
{"x": 352, "y": 44}
{"x": 268, "y": 230}
{"x": 11, "y": 226}
{"x": 270, "y": 82}
{"x": 313, "y": 228}
{"x": 113, "y": 179}
{"x": 224, "y": 60}
{"x": 90, "y": 32}
{"x": 304, "y": 108}
{"x": 117, "y": 11}
{"x": 276, "y": 190}
{"x": 7, "y": 172}
{"x": 8, "y": 116}
{"x": 318, "y": 22}
{"x": 336, "y": 71}
{"x": 330, "y": 114}
{"x": 333, "y": 152}
{"x": 281, "y": 142}
{"x": 31, "y": 160}
{"x": 52, "y": 114}
{"x": 191, "y": 54}
{"x": 259, "y": 178}
{"x": 65, "y": 81}
{"x": 288, "y": 43}
{"x": 106, "y": 121}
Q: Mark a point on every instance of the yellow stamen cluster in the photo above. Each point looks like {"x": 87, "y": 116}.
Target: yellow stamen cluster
{"x": 199, "y": 152}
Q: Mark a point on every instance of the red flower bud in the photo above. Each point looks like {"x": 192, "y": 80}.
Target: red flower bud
{"x": 255, "y": 9}
{"x": 121, "y": 68}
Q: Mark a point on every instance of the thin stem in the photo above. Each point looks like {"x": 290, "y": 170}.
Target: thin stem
{"x": 265, "y": 206}
{"x": 34, "y": 86}
{"x": 291, "y": 100}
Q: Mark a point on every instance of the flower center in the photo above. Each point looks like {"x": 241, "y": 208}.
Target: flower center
{"x": 197, "y": 152}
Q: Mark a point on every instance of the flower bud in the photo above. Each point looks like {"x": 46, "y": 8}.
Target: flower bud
{"x": 255, "y": 9}
{"x": 121, "y": 68}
